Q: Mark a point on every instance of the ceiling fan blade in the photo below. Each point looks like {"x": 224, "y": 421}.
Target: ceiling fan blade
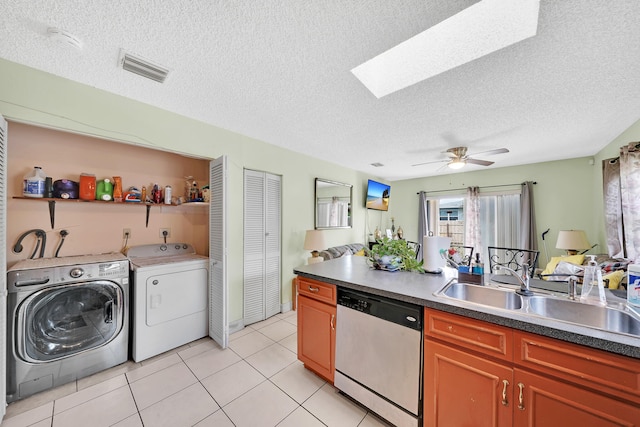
{"x": 479, "y": 162}
{"x": 492, "y": 152}
{"x": 428, "y": 163}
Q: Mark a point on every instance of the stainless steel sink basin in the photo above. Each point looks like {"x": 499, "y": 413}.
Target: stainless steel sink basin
{"x": 494, "y": 297}
{"x": 607, "y": 318}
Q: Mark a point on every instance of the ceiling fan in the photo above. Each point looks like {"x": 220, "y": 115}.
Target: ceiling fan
{"x": 458, "y": 157}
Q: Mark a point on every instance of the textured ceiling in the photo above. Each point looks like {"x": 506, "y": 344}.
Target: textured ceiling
{"x": 279, "y": 71}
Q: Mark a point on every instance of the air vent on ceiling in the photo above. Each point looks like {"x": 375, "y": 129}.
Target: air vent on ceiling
{"x": 143, "y": 67}
{"x": 377, "y": 165}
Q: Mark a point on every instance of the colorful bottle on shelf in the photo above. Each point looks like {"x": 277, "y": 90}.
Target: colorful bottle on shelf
{"x": 33, "y": 184}
{"x": 117, "y": 189}
{"x": 87, "y": 187}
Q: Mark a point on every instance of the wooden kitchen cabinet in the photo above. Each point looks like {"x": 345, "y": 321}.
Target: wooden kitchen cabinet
{"x": 316, "y": 326}
{"x": 480, "y": 374}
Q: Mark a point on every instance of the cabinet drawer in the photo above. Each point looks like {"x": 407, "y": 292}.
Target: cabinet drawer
{"x": 317, "y": 290}
{"x": 476, "y": 335}
{"x": 605, "y": 372}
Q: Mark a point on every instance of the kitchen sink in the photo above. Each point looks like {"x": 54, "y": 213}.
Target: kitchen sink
{"x": 494, "y": 297}
{"x": 607, "y": 318}
{"x": 615, "y": 317}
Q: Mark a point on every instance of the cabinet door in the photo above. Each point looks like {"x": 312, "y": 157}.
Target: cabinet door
{"x": 547, "y": 402}
{"x": 317, "y": 336}
{"x": 465, "y": 390}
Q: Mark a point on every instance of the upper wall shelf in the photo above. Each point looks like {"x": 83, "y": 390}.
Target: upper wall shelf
{"x": 52, "y": 205}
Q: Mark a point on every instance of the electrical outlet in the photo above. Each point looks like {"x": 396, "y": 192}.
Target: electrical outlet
{"x": 162, "y": 232}
{"x": 126, "y": 233}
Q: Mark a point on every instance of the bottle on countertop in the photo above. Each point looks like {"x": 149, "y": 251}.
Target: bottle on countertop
{"x": 33, "y": 184}
{"x": 633, "y": 284}
{"x": 478, "y": 266}
{"x": 592, "y": 284}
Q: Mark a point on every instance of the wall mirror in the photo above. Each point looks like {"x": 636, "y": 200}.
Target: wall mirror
{"x": 333, "y": 204}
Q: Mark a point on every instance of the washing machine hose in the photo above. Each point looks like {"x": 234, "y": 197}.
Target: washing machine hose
{"x": 42, "y": 238}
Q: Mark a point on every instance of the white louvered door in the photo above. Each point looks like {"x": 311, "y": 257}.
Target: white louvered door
{"x": 218, "y": 284}
{"x": 3, "y": 262}
{"x": 261, "y": 245}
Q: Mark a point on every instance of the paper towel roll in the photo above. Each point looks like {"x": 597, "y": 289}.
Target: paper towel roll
{"x": 432, "y": 245}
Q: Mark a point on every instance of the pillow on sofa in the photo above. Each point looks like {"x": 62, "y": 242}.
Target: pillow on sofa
{"x": 553, "y": 263}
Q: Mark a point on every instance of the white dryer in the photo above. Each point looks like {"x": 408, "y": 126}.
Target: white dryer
{"x": 169, "y": 299}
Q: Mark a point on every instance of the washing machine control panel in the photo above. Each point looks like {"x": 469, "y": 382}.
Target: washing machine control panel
{"x": 161, "y": 250}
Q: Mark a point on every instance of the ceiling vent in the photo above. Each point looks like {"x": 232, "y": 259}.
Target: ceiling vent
{"x": 377, "y": 165}
{"x": 143, "y": 67}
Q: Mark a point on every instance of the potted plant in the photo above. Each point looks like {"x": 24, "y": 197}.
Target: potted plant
{"x": 393, "y": 255}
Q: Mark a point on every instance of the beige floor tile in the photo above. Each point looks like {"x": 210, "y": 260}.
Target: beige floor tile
{"x": 105, "y": 410}
{"x": 299, "y": 383}
{"x": 185, "y": 408}
{"x": 132, "y": 421}
{"x": 333, "y": 409}
{"x": 211, "y": 361}
{"x": 162, "y": 384}
{"x": 271, "y": 360}
{"x": 291, "y": 319}
{"x": 194, "y": 350}
{"x": 279, "y": 330}
{"x": 43, "y": 423}
{"x": 107, "y": 374}
{"x": 263, "y": 406}
{"x": 301, "y": 417}
{"x": 287, "y": 314}
{"x": 165, "y": 354}
{"x": 151, "y": 368}
{"x": 82, "y": 396}
{"x": 218, "y": 419}
{"x": 251, "y": 343}
{"x": 290, "y": 342}
{"x": 372, "y": 420}
{"x": 27, "y": 418}
{"x": 240, "y": 333}
{"x": 232, "y": 382}
{"x": 40, "y": 399}
{"x": 259, "y": 325}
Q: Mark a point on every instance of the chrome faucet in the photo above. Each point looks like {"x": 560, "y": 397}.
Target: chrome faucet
{"x": 523, "y": 279}
{"x": 573, "y": 281}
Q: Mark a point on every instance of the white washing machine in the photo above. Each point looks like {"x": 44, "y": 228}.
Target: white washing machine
{"x": 169, "y": 298}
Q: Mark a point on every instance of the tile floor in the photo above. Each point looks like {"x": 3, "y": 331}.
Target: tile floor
{"x": 256, "y": 382}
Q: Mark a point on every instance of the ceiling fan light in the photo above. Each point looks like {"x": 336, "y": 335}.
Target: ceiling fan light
{"x": 457, "y": 164}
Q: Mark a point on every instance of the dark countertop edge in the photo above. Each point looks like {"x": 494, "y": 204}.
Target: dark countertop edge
{"x": 563, "y": 335}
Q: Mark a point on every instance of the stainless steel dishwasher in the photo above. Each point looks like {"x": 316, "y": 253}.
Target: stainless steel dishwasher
{"x": 379, "y": 355}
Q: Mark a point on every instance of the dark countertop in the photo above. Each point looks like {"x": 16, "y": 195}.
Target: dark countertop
{"x": 352, "y": 272}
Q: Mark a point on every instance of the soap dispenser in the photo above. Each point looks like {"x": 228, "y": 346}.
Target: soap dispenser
{"x": 592, "y": 284}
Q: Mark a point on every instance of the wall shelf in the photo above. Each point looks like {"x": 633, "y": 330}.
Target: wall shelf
{"x": 52, "y": 205}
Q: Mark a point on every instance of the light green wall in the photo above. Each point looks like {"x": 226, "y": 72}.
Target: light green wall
{"x": 39, "y": 98}
{"x": 568, "y": 193}
{"x": 564, "y": 197}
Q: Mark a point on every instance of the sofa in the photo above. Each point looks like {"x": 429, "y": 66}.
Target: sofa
{"x": 342, "y": 250}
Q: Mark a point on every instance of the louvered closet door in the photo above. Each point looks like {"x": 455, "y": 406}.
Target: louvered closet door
{"x": 261, "y": 246}
{"x": 218, "y": 283}
{"x": 3, "y": 263}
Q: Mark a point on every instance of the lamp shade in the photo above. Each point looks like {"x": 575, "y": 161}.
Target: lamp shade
{"x": 314, "y": 240}
{"x": 572, "y": 240}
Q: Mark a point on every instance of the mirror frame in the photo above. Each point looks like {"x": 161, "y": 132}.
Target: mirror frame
{"x": 319, "y": 182}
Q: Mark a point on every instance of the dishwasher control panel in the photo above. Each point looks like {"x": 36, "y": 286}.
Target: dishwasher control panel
{"x": 401, "y": 313}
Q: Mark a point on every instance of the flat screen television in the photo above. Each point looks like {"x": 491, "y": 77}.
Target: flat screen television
{"x": 378, "y": 195}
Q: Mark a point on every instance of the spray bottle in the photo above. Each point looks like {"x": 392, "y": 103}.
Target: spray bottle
{"x": 592, "y": 284}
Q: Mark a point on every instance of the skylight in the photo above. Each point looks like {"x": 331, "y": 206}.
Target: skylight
{"x": 481, "y": 29}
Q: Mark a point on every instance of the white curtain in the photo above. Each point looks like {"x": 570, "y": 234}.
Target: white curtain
{"x": 625, "y": 220}
{"x": 472, "y": 220}
{"x": 333, "y": 213}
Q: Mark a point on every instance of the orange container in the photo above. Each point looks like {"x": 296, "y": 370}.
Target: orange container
{"x": 87, "y": 187}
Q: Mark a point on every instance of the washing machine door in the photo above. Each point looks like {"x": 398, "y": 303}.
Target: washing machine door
{"x": 62, "y": 321}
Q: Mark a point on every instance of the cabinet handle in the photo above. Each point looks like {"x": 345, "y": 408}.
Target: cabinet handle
{"x": 521, "y": 397}
{"x": 505, "y": 384}
{"x": 333, "y": 322}
{"x": 313, "y": 289}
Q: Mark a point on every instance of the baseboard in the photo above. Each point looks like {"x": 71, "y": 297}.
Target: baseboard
{"x": 236, "y": 326}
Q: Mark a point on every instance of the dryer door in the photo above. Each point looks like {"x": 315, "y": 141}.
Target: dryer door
{"x": 65, "y": 320}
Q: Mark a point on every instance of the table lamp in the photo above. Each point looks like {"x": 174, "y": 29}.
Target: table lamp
{"x": 314, "y": 241}
{"x": 572, "y": 241}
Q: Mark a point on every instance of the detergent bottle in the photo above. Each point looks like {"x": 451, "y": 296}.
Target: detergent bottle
{"x": 592, "y": 284}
